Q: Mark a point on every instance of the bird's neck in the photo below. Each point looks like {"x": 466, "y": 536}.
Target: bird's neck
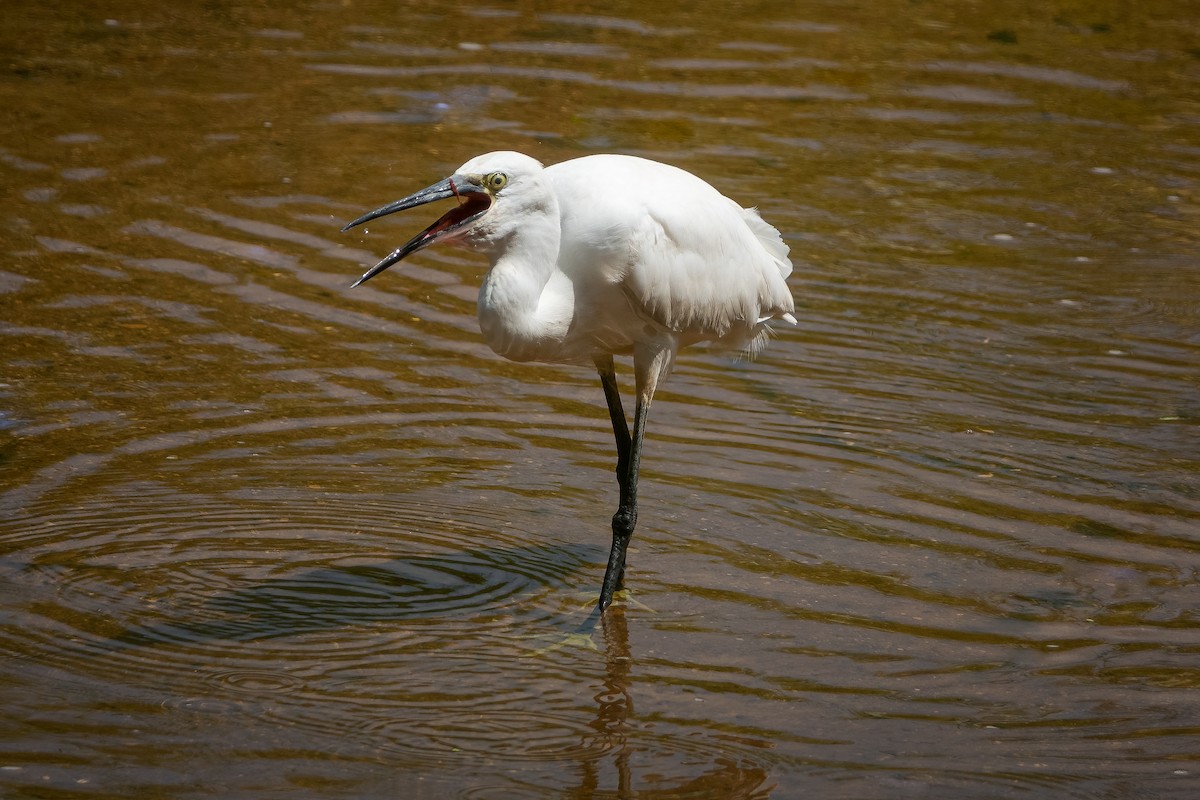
{"x": 525, "y": 301}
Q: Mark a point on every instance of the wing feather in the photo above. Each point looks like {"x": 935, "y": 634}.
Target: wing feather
{"x": 690, "y": 260}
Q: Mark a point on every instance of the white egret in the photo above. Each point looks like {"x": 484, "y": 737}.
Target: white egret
{"x": 607, "y": 255}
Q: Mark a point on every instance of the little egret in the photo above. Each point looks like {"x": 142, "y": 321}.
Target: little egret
{"x": 607, "y": 255}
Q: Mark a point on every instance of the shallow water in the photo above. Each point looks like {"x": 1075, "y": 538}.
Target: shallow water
{"x": 261, "y": 535}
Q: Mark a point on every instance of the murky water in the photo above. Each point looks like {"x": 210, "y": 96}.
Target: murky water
{"x": 261, "y": 535}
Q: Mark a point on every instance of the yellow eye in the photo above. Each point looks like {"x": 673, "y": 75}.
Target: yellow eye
{"x": 497, "y": 181}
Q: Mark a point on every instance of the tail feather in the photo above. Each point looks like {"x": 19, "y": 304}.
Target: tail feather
{"x": 771, "y": 240}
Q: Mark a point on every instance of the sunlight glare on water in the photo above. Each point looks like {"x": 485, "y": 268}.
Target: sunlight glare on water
{"x": 261, "y": 535}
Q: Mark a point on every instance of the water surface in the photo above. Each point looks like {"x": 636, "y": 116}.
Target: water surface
{"x": 261, "y": 535}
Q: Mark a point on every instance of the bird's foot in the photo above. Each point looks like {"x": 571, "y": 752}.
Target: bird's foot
{"x": 557, "y": 641}
{"x": 582, "y": 636}
{"x": 625, "y": 597}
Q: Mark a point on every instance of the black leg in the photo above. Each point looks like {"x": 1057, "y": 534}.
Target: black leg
{"x": 650, "y": 363}
{"x": 624, "y": 521}
{"x": 616, "y": 413}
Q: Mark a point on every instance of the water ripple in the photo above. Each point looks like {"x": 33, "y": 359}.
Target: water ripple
{"x": 938, "y": 540}
{"x": 666, "y": 88}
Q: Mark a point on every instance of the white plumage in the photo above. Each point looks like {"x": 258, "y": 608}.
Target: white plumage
{"x": 608, "y": 255}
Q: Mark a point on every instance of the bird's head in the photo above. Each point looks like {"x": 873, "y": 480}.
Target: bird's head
{"x": 491, "y": 190}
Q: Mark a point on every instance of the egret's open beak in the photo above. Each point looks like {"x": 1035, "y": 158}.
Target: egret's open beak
{"x": 473, "y": 201}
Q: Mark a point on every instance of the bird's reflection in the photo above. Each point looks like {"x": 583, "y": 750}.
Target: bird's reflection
{"x": 614, "y": 707}
{"x": 615, "y": 733}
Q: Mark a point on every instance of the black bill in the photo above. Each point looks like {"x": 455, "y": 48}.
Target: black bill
{"x": 473, "y": 201}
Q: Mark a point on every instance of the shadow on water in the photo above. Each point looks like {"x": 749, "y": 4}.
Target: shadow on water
{"x": 468, "y": 586}
{"x": 462, "y": 583}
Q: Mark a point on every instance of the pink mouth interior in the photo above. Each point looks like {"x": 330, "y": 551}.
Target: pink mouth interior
{"x": 469, "y": 205}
